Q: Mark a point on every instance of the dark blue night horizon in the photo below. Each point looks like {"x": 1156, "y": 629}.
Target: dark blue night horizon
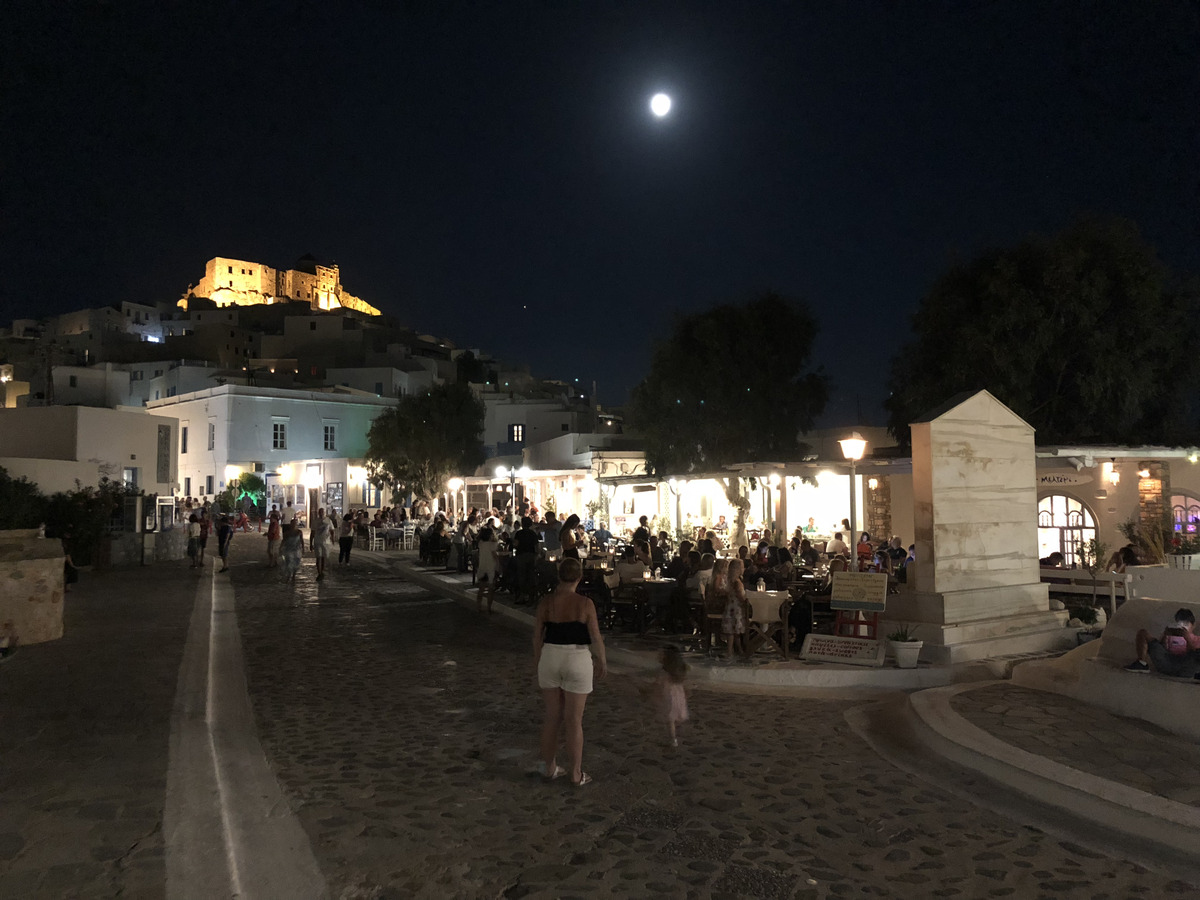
{"x": 494, "y": 175}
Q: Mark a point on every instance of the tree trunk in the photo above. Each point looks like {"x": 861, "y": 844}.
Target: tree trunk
{"x": 733, "y": 493}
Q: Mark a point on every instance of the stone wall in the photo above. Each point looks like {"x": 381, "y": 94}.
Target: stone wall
{"x": 31, "y": 586}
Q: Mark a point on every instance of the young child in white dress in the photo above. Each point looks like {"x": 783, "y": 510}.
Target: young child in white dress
{"x": 668, "y": 692}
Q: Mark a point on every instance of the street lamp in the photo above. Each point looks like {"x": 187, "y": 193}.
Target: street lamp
{"x": 853, "y": 448}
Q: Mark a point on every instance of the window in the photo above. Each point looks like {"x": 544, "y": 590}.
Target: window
{"x": 73, "y": 381}
{"x": 1065, "y": 526}
{"x": 379, "y": 388}
{"x": 279, "y": 435}
{"x": 565, "y": 426}
{"x": 187, "y": 486}
{"x": 312, "y": 326}
{"x": 231, "y": 270}
{"x": 331, "y": 437}
{"x": 516, "y": 434}
{"x": 1185, "y": 513}
{"x": 130, "y": 476}
{"x": 208, "y": 484}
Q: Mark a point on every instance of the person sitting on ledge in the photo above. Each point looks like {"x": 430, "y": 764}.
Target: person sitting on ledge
{"x": 1053, "y": 561}
{"x": 1175, "y": 653}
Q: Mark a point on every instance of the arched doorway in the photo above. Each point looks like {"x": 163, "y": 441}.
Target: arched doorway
{"x": 1065, "y": 525}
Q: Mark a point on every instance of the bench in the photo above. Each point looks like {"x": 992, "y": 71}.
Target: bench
{"x": 1094, "y": 673}
{"x": 1112, "y": 585}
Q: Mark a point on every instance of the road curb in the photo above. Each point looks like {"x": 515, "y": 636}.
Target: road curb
{"x": 1115, "y": 806}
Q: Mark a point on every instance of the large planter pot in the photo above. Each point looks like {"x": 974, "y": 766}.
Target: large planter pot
{"x": 1183, "y": 560}
{"x": 906, "y": 653}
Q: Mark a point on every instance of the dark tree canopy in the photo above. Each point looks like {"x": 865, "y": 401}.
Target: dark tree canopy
{"x": 1084, "y": 334}
{"x": 426, "y": 440}
{"x": 730, "y": 384}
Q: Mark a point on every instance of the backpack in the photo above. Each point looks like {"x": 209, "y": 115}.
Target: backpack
{"x": 1175, "y": 641}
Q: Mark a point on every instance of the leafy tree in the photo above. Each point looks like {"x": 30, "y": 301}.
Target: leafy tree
{"x": 427, "y": 439}
{"x": 22, "y": 505}
{"x": 470, "y": 369}
{"x": 1082, "y": 334}
{"x": 247, "y": 486}
{"x": 731, "y": 384}
{"x": 84, "y": 515}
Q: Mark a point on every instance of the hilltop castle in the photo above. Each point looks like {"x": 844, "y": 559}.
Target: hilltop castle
{"x": 238, "y": 282}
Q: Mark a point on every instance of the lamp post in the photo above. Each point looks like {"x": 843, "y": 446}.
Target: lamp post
{"x": 853, "y": 448}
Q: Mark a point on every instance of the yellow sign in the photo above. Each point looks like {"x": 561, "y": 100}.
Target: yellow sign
{"x": 864, "y": 591}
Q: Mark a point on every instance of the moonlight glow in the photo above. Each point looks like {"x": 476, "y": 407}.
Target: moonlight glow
{"x": 660, "y": 105}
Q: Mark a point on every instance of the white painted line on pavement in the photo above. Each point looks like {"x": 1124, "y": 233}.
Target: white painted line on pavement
{"x": 221, "y": 793}
{"x": 196, "y": 856}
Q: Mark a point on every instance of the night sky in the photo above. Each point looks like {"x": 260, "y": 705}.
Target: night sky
{"x": 491, "y": 173}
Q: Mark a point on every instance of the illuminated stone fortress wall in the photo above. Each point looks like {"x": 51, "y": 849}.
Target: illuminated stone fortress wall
{"x": 240, "y": 282}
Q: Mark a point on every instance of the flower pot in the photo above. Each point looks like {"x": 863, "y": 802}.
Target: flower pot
{"x": 906, "y": 653}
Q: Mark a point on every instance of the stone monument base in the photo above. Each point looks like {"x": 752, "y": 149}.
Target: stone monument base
{"x": 31, "y": 586}
{"x": 962, "y": 626}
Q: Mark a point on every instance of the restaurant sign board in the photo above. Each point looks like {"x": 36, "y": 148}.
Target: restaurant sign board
{"x": 853, "y": 651}
{"x": 1062, "y": 478}
{"x": 863, "y": 591}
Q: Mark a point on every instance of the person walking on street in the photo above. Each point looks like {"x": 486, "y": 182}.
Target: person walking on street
{"x": 193, "y": 542}
{"x": 224, "y": 539}
{"x": 205, "y": 527}
{"x": 322, "y": 541}
{"x": 345, "y": 539}
{"x": 526, "y": 546}
{"x": 565, "y": 637}
{"x": 274, "y": 536}
{"x": 293, "y": 549}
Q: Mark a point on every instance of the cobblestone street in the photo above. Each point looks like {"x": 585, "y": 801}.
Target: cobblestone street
{"x": 404, "y": 725}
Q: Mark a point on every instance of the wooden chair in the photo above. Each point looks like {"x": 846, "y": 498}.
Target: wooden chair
{"x": 375, "y": 539}
{"x": 768, "y": 620}
{"x": 629, "y": 606}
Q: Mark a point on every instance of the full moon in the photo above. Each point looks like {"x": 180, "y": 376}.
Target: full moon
{"x": 660, "y": 105}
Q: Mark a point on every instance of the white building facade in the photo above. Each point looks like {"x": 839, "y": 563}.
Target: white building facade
{"x": 308, "y": 446}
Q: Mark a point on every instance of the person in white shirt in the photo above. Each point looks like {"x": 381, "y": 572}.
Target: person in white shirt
{"x": 836, "y": 546}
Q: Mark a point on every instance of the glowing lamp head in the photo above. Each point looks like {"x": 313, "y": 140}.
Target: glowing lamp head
{"x": 660, "y": 105}
{"x": 501, "y": 472}
{"x": 854, "y": 446}
{"x": 454, "y": 484}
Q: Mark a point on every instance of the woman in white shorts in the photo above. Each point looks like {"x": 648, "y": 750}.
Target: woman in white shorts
{"x": 565, "y": 636}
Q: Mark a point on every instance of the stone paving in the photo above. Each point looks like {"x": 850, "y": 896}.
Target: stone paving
{"x": 1129, "y": 751}
{"x": 404, "y": 727}
{"x": 84, "y": 728}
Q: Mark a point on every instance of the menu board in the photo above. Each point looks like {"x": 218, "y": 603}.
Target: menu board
{"x": 863, "y": 591}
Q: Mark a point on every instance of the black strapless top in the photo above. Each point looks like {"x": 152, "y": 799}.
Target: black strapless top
{"x": 567, "y": 633}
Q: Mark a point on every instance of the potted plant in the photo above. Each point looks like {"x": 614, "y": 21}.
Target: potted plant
{"x": 1184, "y": 552}
{"x": 905, "y": 646}
{"x": 1085, "y": 618}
